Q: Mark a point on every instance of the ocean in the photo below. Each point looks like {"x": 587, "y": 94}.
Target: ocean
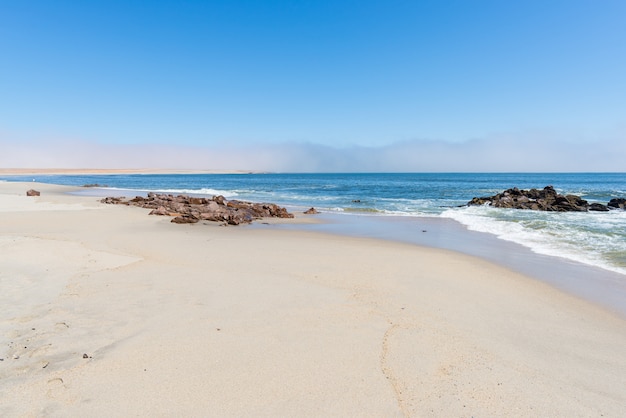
{"x": 596, "y": 239}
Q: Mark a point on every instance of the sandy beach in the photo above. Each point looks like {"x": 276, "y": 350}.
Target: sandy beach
{"x": 106, "y": 311}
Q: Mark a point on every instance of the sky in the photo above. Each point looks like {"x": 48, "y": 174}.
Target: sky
{"x": 295, "y": 86}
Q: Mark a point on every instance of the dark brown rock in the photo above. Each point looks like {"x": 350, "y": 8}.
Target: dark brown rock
{"x": 187, "y": 209}
{"x": 311, "y": 211}
{"x": 197, "y": 201}
{"x": 185, "y": 219}
{"x": 161, "y": 211}
{"x": 32, "y": 192}
{"x": 115, "y": 201}
{"x": 598, "y": 207}
{"x": 619, "y": 203}
{"x": 546, "y": 199}
{"x": 212, "y": 216}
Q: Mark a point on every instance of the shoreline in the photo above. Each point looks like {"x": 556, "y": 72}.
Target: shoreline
{"x": 108, "y": 171}
{"x": 103, "y": 303}
{"x": 607, "y": 289}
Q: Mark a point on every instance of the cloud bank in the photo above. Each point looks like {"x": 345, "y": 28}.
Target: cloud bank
{"x": 495, "y": 154}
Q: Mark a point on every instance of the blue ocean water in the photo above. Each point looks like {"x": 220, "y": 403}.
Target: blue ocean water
{"x": 594, "y": 238}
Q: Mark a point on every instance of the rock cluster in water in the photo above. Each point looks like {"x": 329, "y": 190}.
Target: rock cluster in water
{"x": 546, "y": 199}
{"x": 186, "y": 209}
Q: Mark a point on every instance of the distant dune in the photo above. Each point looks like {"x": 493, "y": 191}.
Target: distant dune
{"x": 93, "y": 171}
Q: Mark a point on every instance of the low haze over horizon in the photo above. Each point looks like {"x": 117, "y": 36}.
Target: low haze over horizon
{"x": 314, "y": 85}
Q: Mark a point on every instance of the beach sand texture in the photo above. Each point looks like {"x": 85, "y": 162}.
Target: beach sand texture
{"x": 106, "y": 311}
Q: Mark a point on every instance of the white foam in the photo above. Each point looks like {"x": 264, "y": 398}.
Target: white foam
{"x": 203, "y": 191}
{"x": 581, "y": 237}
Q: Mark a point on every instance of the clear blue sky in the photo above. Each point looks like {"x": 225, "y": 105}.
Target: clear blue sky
{"x": 335, "y": 76}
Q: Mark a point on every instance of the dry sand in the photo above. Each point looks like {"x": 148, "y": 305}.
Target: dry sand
{"x": 203, "y": 320}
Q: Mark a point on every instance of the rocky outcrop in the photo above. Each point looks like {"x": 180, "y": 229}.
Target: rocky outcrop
{"x": 32, "y": 192}
{"x": 546, "y": 199}
{"x": 186, "y": 209}
{"x": 619, "y": 203}
{"x": 598, "y": 207}
{"x": 311, "y": 211}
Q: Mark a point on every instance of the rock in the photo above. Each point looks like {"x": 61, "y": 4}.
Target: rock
{"x": 311, "y": 211}
{"x": 619, "y": 203}
{"x": 546, "y": 199}
{"x": 569, "y": 203}
{"x": 598, "y": 207}
{"x": 160, "y": 211}
{"x": 197, "y": 201}
{"x": 187, "y": 209}
{"x": 115, "y": 201}
{"x": 32, "y": 192}
{"x": 213, "y": 216}
{"x": 185, "y": 219}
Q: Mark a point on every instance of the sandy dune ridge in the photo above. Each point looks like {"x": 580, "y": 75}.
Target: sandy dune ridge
{"x": 96, "y": 171}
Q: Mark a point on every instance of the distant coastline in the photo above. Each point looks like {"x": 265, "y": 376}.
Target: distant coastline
{"x": 107, "y": 171}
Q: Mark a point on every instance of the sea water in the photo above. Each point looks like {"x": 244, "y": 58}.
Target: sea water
{"x": 594, "y": 238}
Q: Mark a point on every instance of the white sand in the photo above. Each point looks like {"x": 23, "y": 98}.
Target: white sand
{"x": 202, "y": 320}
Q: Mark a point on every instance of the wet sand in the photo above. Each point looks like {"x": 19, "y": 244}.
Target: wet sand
{"x": 600, "y": 286}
